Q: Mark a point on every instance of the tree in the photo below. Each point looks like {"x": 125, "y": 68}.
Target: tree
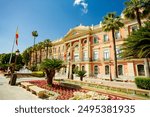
{"x": 26, "y": 56}
{"x": 5, "y": 61}
{"x": 81, "y": 74}
{"x": 34, "y": 34}
{"x": 112, "y": 23}
{"x": 50, "y": 66}
{"x": 137, "y": 45}
{"x": 137, "y": 9}
{"x": 40, "y": 47}
{"x": 47, "y": 44}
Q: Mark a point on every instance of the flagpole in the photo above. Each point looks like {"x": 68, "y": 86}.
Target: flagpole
{"x": 12, "y": 52}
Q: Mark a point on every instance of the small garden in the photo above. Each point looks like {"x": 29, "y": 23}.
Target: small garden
{"x": 72, "y": 92}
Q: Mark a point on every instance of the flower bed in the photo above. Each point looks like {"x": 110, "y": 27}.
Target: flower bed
{"x": 66, "y": 92}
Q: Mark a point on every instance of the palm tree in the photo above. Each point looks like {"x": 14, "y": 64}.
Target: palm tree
{"x": 112, "y": 23}
{"x": 81, "y": 74}
{"x": 137, "y": 9}
{"x": 50, "y": 66}
{"x": 47, "y": 44}
{"x": 40, "y": 47}
{"x": 34, "y": 34}
{"x": 137, "y": 45}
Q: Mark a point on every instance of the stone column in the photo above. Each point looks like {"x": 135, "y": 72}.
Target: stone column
{"x": 80, "y": 51}
{"x": 89, "y": 56}
{"x": 65, "y": 52}
{"x": 70, "y": 62}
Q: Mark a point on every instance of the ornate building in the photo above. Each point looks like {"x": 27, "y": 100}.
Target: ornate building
{"x": 90, "y": 49}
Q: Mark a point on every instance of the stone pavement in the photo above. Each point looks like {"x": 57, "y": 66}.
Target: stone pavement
{"x": 8, "y": 92}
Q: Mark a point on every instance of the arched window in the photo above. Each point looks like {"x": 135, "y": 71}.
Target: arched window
{"x": 95, "y": 70}
{"x": 83, "y": 68}
{"x": 141, "y": 71}
{"x": 106, "y": 69}
{"x": 120, "y": 69}
{"x": 85, "y": 41}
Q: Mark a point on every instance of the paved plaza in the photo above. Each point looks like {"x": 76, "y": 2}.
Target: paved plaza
{"x": 8, "y": 92}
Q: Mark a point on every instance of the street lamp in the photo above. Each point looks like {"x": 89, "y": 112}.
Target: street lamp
{"x": 14, "y": 76}
{"x": 110, "y": 71}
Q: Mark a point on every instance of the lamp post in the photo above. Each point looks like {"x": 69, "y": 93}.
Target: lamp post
{"x": 13, "y": 75}
{"x": 110, "y": 71}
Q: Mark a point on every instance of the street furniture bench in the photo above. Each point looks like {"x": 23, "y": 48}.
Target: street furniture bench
{"x": 26, "y": 85}
{"x": 38, "y": 91}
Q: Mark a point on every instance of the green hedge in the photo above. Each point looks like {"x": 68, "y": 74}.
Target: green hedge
{"x": 38, "y": 74}
{"x": 143, "y": 83}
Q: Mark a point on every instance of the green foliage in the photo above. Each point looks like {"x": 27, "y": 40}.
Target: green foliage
{"x": 52, "y": 64}
{"x": 112, "y": 22}
{"x": 3, "y": 67}
{"x": 34, "y": 33}
{"x": 137, "y": 45}
{"x": 26, "y": 55}
{"x": 33, "y": 68}
{"x": 136, "y": 7}
{"x": 143, "y": 83}
{"x": 18, "y": 67}
{"x": 38, "y": 74}
{"x": 81, "y": 73}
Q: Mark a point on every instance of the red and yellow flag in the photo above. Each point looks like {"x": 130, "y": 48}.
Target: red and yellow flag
{"x": 17, "y": 36}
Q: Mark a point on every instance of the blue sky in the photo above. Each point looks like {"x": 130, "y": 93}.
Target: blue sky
{"x": 51, "y": 18}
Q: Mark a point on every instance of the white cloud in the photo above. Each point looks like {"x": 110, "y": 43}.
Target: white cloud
{"x": 83, "y": 4}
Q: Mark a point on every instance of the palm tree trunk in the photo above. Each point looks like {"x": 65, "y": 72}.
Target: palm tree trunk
{"x": 40, "y": 55}
{"x": 36, "y": 57}
{"x": 50, "y": 75}
{"x": 46, "y": 52}
{"x": 115, "y": 56}
{"x": 81, "y": 78}
{"x": 138, "y": 17}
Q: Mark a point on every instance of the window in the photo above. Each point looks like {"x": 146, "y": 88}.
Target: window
{"x": 76, "y": 47}
{"x": 76, "y": 56}
{"x": 96, "y": 70}
{"x": 95, "y": 40}
{"x": 117, "y": 35}
{"x": 68, "y": 56}
{"x": 106, "y": 54}
{"x": 85, "y": 55}
{"x": 105, "y": 38}
{"x": 120, "y": 69}
{"x": 83, "y": 68}
{"x": 106, "y": 69}
{"x": 118, "y": 52}
{"x": 59, "y": 49}
{"x": 95, "y": 55}
{"x": 85, "y": 41}
{"x": 141, "y": 71}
